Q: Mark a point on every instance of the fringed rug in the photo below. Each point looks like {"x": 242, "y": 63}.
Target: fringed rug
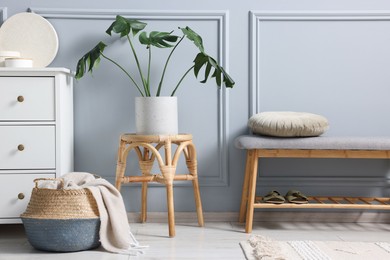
{"x": 264, "y": 248}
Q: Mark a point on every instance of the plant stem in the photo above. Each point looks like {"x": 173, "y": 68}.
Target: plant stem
{"x": 178, "y": 84}
{"x": 150, "y": 60}
{"x": 147, "y": 92}
{"x": 165, "y": 67}
{"x": 119, "y": 66}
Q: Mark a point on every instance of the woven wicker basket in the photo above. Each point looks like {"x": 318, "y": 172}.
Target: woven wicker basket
{"x": 61, "y": 220}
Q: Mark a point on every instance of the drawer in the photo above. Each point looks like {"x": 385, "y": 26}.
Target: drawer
{"x": 11, "y": 185}
{"x": 27, "y": 98}
{"x": 27, "y": 147}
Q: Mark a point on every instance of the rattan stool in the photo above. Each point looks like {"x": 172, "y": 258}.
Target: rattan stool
{"x": 167, "y": 165}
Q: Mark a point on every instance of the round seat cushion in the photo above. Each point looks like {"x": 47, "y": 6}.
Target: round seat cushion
{"x": 288, "y": 124}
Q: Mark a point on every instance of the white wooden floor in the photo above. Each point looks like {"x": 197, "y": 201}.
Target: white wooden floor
{"x": 217, "y": 240}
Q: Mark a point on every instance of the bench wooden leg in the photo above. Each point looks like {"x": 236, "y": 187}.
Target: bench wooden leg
{"x": 252, "y": 172}
{"x": 245, "y": 185}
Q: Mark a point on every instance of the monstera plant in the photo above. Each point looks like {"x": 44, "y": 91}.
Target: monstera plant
{"x": 130, "y": 28}
{"x": 154, "y": 114}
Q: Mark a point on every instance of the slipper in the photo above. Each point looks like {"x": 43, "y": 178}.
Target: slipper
{"x": 274, "y": 197}
{"x": 295, "y": 196}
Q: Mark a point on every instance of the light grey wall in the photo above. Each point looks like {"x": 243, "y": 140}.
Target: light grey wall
{"x": 337, "y": 67}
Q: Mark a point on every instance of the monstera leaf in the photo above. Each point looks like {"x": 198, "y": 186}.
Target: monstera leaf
{"x": 203, "y": 59}
{"x": 158, "y": 39}
{"x": 219, "y": 73}
{"x": 124, "y": 26}
{"x": 90, "y": 59}
{"x": 194, "y": 37}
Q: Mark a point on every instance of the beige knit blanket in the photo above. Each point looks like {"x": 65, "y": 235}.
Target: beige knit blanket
{"x": 115, "y": 234}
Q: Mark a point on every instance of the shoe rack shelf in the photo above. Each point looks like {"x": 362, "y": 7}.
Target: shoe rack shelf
{"x": 331, "y": 203}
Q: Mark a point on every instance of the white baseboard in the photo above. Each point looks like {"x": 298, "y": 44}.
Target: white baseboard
{"x": 271, "y": 216}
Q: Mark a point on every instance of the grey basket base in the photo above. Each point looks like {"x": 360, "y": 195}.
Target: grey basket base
{"x": 62, "y": 235}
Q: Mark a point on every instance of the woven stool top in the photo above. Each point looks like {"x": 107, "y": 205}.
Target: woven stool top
{"x": 155, "y": 138}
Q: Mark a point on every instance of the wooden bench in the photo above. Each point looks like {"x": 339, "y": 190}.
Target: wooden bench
{"x": 308, "y": 147}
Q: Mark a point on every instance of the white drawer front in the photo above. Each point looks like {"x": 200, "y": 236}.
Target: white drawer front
{"x": 27, "y": 98}
{"x": 27, "y": 147}
{"x": 11, "y": 185}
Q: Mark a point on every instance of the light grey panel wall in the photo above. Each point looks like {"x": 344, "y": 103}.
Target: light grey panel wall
{"x": 212, "y": 149}
{"x": 332, "y": 63}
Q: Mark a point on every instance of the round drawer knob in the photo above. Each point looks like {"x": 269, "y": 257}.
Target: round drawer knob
{"x": 20, "y": 98}
{"x": 21, "y": 196}
{"x": 20, "y": 147}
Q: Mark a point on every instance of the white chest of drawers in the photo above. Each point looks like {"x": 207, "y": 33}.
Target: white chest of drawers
{"x": 36, "y": 133}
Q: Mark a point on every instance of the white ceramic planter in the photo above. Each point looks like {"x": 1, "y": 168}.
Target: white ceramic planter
{"x": 156, "y": 115}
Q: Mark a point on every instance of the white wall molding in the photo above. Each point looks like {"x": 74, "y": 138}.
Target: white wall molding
{"x": 258, "y": 18}
{"x": 109, "y": 14}
{"x": 221, "y": 17}
{"x": 3, "y": 14}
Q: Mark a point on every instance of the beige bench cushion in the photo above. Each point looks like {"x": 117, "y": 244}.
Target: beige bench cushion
{"x": 288, "y": 124}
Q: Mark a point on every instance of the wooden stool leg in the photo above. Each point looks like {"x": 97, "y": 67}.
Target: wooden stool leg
{"x": 145, "y": 164}
{"x": 244, "y": 196}
{"x": 144, "y": 201}
{"x": 253, "y": 163}
{"x": 198, "y": 202}
{"x": 120, "y": 166}
{"x": 171, "y": 210}
{"x": 190, "y": 154}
